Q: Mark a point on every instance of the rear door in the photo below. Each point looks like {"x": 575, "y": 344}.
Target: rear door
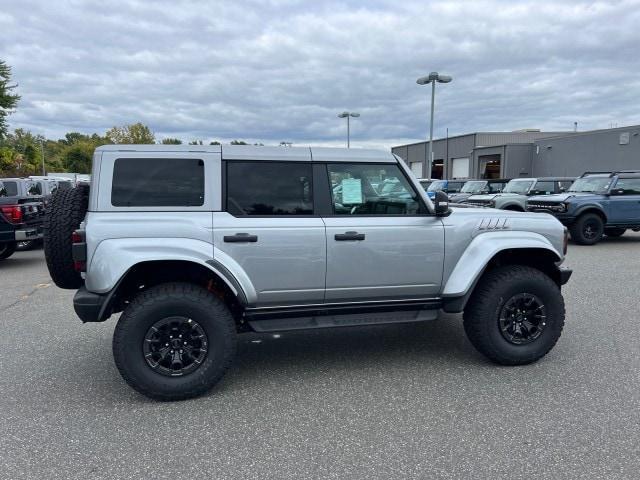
{"x": 269, "y": 229}
{"x": 380, "y": 243}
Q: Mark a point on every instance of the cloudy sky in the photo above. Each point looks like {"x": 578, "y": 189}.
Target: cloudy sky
{"x": 281, "y": 70}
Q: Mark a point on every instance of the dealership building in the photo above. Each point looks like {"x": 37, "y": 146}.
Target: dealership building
{"x": 525, "y": 153}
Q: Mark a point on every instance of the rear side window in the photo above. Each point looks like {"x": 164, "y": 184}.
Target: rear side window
{"x": 269, "y": 188}
{"x": 158, "y": 182}
{"x": 34, "y": 188}
{"x": 11, "y": 188}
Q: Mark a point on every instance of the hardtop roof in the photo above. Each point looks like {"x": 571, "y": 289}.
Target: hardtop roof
{"x": 255, "y": 152}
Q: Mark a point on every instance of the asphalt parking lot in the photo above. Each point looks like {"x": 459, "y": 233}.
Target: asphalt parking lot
{"x": 400, "y": 401}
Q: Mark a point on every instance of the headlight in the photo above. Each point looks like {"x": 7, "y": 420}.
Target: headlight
{"x": 564, "y": 207}
{"x": 492, "y": 203}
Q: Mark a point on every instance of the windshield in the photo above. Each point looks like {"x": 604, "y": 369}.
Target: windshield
{"x": 474, "y": 187}
{"x": 518, "y": 186}
{"x": 590, "y": 184}
{"x": 437, "y": 185}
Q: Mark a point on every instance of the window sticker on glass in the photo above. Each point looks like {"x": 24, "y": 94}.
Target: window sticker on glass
{"x": 352, "y": 191}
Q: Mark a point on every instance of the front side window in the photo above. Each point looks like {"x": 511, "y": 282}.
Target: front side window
{"x": 269, "y": 188}
{"x": 520, "y": 187}
{"x": 629, "y": 186}
{"x": 565, "y": 185}
{"x": 158, "y": 182}
{"x": 496, "y": 187}
{"x": 371, "y": 189}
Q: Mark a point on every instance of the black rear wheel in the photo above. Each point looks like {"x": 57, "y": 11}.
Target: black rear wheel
{"x": 587, "y": 229}
{"x": 174, "y": 341}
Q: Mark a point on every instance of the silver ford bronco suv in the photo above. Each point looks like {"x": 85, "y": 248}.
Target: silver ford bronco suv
{"x": 197, "y": 244}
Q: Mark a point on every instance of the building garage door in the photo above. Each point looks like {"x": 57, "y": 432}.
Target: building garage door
{"x": 460, "y": 168}
{"x": 416, "y": 168}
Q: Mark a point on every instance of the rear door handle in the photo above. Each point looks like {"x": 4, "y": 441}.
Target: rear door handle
{"x": 241, "y": 238}
{"x": 342, "y": 237}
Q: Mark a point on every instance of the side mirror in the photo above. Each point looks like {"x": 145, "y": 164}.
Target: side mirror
{"x": 617, "y": 191}
{"x": 441, "y": 203}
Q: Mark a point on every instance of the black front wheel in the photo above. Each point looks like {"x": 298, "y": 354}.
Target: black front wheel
{"x": 174, "y": 341}
{"x": 587, "y": 229}
{"x": 515, "y": 316}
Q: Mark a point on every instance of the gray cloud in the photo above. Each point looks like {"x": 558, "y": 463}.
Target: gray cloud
{"x": 282, "y": 70}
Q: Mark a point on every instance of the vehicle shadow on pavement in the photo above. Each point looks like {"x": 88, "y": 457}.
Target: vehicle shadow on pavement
{"x": 263, "y": 359}
{"x": 16, "y": 262}
{"x": 327, "y": 351}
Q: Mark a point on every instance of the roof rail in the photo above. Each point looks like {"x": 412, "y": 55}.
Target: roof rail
{"x": 610, "y": 173}
{"x": 628, "y": 171}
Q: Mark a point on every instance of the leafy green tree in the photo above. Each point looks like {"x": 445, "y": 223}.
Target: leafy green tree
{"x": 171, "y": 141}
{"x": 195, "y": 142}
{"x": 215, "y": 142}
{"x": 77, "y": 158}
{"x": 238, "y": 142}
{"x": 8, "y": 99}
{"x": 135, "y": 133}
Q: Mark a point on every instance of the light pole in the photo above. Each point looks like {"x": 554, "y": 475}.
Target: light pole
{"x": 432, "y": 78}
{"x": 42, "y": 147}
{"x": 347, "y": 115}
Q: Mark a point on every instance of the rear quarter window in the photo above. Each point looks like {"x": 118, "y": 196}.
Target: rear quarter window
{"x": 157, "y": 182}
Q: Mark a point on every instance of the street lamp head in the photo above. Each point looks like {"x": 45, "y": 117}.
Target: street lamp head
{"x": 343, "y": 115}
{"x": 354, "y": 114}
{"x": 433, "y": 77}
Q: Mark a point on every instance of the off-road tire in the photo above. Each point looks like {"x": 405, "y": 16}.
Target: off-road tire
{"x": 64, "y": 214}
{"x": 588, "y": 222}
{"x": 481, "y": 315}
{"x": 614, "y": 232}
{"x": 513, "y": 208}
{"x": 7, "y": 249}
{"x": 165, "y": 300}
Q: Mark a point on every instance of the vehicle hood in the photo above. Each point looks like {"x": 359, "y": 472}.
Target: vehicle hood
{"x": 561, "y": 197}
{"x": 491, "y": 196}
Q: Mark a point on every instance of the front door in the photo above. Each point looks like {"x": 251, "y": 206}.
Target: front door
{"x": 270, "y": 233}
{"x": 624, "y": 202}
{"x": 380, "y": 244}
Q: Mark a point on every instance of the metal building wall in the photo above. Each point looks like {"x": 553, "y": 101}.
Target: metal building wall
{"x": 596, "y": 150}
{"x": 518, "y": 160}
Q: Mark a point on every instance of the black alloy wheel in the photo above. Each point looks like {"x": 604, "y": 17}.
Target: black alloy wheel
{"x": 522, "y": 319}
{"x": 175, "y": 346}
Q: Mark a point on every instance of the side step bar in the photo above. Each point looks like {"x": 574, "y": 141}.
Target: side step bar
{"x": 300, "y": 318}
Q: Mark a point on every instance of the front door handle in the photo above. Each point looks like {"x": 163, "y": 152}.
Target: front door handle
{"x": 342, "y": 237}
{"x": 241, "y": 238}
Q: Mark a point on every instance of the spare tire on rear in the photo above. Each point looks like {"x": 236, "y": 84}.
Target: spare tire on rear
{"x": 64, "y": 214}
